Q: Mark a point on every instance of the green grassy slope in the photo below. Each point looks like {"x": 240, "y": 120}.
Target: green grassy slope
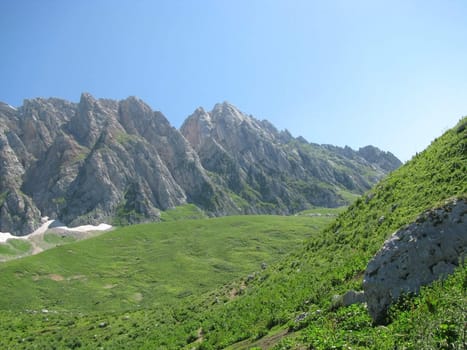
{"x": 14, "y": 248}
{"x": 183, "y": 212}
{"x": 19, "y": 248}
{"x": 152, "y": 264}
{"x": 263, "y": 310}
{"x": 333, "y": 262}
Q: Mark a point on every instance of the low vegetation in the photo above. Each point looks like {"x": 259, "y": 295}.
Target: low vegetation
{"x": 183, "y": 212}
{"x": 14, "y": 248}
{"x": 150, "y": 264}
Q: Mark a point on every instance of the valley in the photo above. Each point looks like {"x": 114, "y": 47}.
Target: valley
{"x": 233, "y": 175}
{"x": 248, "y": 282}
{"x": 151, "y": 265}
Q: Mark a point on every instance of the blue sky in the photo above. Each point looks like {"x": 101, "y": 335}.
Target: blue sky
{"x": 388, "y": 73}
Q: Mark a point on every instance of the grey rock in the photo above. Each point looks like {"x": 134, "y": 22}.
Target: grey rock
{"x": 353, "y": 297}
{"x": 424, "y": 251}
{"x": 95, "y": 161}
{"x": 103, "y": 160}
{"x": 301, "y": 317}
{"x": 385, "y": 160}
{"x": 349, "y": 298}
{"x": 271, "y": 171}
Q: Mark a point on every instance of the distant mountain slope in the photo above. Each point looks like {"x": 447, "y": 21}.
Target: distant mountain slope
{"x": 119, "y": 161}
{"x": 272, "y": 171}
{"x": 94, "y": 161}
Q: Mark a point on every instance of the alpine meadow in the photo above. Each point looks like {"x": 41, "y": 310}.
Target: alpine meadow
{"x": 233, "y": 175}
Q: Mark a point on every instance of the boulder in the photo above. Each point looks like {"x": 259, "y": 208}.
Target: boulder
{"x": 424, "y": 251}
{"x": 349, "y": 298}
{"x": 353, "y": 297}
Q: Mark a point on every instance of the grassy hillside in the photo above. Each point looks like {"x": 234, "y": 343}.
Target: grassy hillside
{"x": 14, "y": 248}
{"x": 152, "y": 264}
{"x": 19, "y": 248}
{"x": 288, "y": 305}
{"x": 333, "y": 262}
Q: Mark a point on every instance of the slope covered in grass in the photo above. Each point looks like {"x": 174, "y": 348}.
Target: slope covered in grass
{"x": 152, "y": 264}
{"x": 333, "y": 262}
{"x": 13, "y": 248}
{"x": 20, "y": 247}
{"x": 288, "y": 305}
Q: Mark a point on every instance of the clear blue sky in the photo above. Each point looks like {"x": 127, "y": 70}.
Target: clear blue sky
{"x": 388, "y": 73}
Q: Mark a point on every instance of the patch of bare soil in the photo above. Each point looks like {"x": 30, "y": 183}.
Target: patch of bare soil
{"x": 55, "y": 277}
{"x": 234, "y": 292}
{"x": 200, "y": 336}
{"x": 52, "y": 276}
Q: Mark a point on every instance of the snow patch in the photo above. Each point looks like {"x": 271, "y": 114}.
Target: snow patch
{"x": 5, "y": 235}
{"x": 86, "y": 228}
{"x": 46, "y": 224}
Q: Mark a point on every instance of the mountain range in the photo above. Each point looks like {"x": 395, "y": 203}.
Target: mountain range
{"x": 387, "y": 272}
{"x": 101, "y": 160}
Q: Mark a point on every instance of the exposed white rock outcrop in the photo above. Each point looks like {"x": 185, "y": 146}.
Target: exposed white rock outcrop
{"x": 424, "y": 251}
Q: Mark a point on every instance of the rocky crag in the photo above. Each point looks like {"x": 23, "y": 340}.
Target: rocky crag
{"x": 271, "y": 171}
{"x": 121, "y": 162}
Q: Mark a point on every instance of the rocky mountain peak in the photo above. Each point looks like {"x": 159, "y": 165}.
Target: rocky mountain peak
{"x": 266, "y": 166}
{"x": 135, "y": 115}
{"x": 105, "y": 160}
{"x": 226, "y": 109}
{"x": 233, "y": 125}
{"x": 385, "y": 160}
{"x": 5, "y": 106}
{"x": 199, "y": 110}
{"x": 87, "y": 100}
{"x": 94, "y": 161}
{"x": 93, "y": 117}
{"x": 136, "y": 106}
{"x": 226, "y": 115}
{"x": 197, "y": 127}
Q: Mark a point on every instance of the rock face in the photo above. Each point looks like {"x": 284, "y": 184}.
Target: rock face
{"x": 416, "y": 255}
{"x": 95, "y": 161}
{"x": 385, "y": 160}
{"x": 102, "y": 160}
{"x": 273, "y": 172}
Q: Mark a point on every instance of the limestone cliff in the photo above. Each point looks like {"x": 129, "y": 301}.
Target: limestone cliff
{"x": 97, "y": 160}
{"x": 272, "y": 172}
{"x": 120, "y": 161}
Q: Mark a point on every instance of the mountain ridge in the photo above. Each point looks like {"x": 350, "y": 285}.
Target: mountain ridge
{"x": 102, "y": 160}
{"x": 229, "y": 142}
